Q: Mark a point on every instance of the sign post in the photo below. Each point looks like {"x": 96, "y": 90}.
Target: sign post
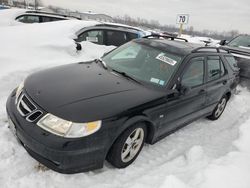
{"x": 181, "y": 20}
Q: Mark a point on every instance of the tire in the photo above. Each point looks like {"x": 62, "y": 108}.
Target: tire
{"x": 127, "y": 146}
{"x": 219, "y": 109}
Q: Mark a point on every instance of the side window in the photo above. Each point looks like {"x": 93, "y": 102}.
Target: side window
{"x": 21, "y": 19}
{"x": 28, "y": 19}
{"x": 215, "y": 68}
{"x": 56, "y": 19}
{"x": 95, "y": 36}
{"x": 131, "y": 36}
{"x": 116, "y": 38}
{"x": 194, "y": 74}
{"x": 45, "y": 19}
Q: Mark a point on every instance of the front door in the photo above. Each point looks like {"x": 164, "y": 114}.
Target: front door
{"x": 186, "y": 107}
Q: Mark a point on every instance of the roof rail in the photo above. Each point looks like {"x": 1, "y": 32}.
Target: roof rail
{"x": 218, "y": 50}
{"x": 52, "y": 14}
{"x": 165, "y": 36}
{"x": 118, "y": 26}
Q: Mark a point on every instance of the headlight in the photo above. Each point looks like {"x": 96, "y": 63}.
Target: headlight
{"x": 66, "y": 128}
{"x": 19, "y": 90}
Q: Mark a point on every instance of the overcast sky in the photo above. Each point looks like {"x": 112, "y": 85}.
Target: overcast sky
{"x": 221, "y": 15}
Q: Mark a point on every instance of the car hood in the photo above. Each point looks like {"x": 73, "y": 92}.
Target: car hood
{"x": 86, "y": 92}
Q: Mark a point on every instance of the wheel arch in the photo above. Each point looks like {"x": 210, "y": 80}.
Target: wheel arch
{"x": 228, "y": 94}
{"x": 151, "y": 129}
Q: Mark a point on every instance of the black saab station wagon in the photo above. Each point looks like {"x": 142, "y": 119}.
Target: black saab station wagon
{"x": 72, "y": 118}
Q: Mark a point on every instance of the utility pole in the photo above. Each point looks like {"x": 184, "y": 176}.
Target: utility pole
{"x": 35, "y": 5}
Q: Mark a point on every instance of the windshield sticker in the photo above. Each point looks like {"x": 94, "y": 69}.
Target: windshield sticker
{"x": 154, "y": 80}
{"x": 161, "y": 82}
{"x": 157, "y": 81}
{"x": 162, "y": 57}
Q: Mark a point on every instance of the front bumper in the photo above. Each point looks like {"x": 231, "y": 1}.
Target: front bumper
{"x": 57, "y": 153}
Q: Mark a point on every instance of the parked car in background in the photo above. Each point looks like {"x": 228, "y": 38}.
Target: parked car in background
{"x": 41, "y": 17}
{"x": 240, "y": 49}
{"x": 109, "y": 34}
{"x": 4, "y": 7}
{"x": 73, "y": 117}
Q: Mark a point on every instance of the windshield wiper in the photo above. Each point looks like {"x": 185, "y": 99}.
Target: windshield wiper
{"x": 102, "y": 62}
{"x": 126, "y": 75}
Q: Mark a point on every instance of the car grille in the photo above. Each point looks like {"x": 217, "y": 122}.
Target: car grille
{"x": 27, "y": 108}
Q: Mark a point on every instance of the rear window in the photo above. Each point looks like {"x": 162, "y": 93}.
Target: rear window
{"x": 232, "y": 62}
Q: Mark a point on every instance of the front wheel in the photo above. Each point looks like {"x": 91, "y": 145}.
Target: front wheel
{"x": 219, "y": 109}
{"x": 128, "y": 146}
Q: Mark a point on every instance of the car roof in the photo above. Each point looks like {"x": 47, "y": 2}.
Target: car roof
{"x": 175, "y": 46}
{"x": 180, "y": 47}
{"x": 117, "y": 25}
{"x": 54, "y": 15}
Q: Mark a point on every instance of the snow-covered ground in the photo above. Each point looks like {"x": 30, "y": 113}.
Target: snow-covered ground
{"x": 7, "y": 16}
{"x": 205, "y": 154}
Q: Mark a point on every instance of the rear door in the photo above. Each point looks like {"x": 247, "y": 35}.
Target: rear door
{"x": 217, "y": 79}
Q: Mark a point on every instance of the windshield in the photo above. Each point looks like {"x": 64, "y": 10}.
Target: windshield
{"x": 143, "y": 63}
{"x": 240, "y": 41}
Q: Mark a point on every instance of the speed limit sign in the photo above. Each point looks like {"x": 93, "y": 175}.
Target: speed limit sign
{"x": 182, "y": 19}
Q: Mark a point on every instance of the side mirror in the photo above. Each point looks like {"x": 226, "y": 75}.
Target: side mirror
{"x": 223, "y": 42}
{"x": 184, "y": 90}
{"x": 78, "y": 46}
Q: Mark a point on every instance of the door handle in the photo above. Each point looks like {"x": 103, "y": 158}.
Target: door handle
{"x": 202, "y": 91}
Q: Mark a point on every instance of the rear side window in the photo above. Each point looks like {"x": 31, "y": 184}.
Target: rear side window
{"x": 131, "y": 36}
{"x": 46, "y": 19}
{"x": 50, "y": 19}
{"x": 232, "y": 62}
{"x": 215, "y": 68}
{"x": 194, "y": 74}
{"x": 116, "y": 38}
{"x": 95, "y": 36}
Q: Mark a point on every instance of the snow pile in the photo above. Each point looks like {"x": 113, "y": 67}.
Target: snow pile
{"x": 232, "y": 170}
{"x": 200, "y": 40}
{"x": 8, "y": 16}
{"x": 47, "y": 44}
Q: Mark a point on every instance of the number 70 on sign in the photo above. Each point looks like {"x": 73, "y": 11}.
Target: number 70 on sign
{"x": 182, "y": 18}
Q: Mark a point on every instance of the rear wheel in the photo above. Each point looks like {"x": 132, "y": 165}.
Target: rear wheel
{"x": 219, "y": 109}
{"x": 128, "y": 146}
